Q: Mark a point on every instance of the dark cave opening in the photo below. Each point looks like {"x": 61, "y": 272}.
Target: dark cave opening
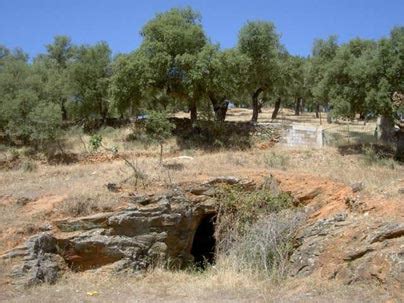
{"x": 203, "y": 246}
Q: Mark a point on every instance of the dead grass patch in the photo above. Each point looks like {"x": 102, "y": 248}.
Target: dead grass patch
{"x": 216, "y": 284}
{"x": 82, "y": 205}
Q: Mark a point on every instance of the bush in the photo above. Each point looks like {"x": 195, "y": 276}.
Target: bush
{"x": 266, "y": 245}
{"x": 373, "y": 156}
{"x": 14, "y": 154}
{"x": 240, "y": 208}
{"x": 255, "y": 230}
{"x": 158, "y": 127}
{"x": 274, "y": 160}
{"x": 95, "y": 142}
{"x": 28, "y": 166}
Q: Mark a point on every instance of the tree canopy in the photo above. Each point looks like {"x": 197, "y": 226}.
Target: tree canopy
{"x": 177, "y": 67}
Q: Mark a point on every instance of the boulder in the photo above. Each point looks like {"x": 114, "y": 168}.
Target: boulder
{"x": 152, "y": 228}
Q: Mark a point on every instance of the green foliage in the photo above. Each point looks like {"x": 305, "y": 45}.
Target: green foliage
{"x": 26, "y": 113}
{"x": 246, "y": 207}
{"x": 95, "y": 142}
{"x": 171, "y": 42}
{"x": 323, "y": 53}
{"x": 157, "y": 127}
{"x": 89, "y": 81}
{"x": 259, "y": 41}
{"x": 128, "y": 84}
{"x": 176, "y": 67}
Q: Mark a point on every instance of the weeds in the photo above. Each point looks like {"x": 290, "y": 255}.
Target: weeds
{"x": 95, "y": 142}
{"x": 373, "y": 157}
{"x": 82, "y": 205}
{"x": 275, "y": 160}
{"x": 254, "y": 230}
{"x": 265, "y": 246}
{"x": 28, "y": 166}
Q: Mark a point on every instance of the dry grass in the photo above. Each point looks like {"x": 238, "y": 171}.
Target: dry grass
{"x": 83, "y": 204}
{"x": 88, "y": 180}
{"x": 59, "y": 190}
{"x": 216, "y": 284}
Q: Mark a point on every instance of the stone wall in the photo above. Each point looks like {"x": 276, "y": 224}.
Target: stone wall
{"x": 302, "y": 135}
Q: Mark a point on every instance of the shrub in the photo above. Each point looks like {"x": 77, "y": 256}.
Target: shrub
{"x": 239, "y": 209}
{"x": 255, "y": 230}
{"x": 158, "y": 129}
{"x": 212, "y": 135}
{"x": 28, "y": 166}
{"x": 14, "y": 154}
{"x": 95, "y": 142}
{"x": 275, "y": 160}
{"x": 372, "y": 156}
{"x": 266, "y": 245}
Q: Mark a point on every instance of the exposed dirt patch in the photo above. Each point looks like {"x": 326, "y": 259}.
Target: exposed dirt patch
{"x": 44, "y": 205}
{"x": 328, "y": 197}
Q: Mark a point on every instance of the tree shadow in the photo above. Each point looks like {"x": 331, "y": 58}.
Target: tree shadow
{"x": 382, "y": 151}
{"x": 63, "y": 158}
{"x": 213, "y": 135}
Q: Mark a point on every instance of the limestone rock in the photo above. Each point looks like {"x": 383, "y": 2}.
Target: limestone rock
{"x": 387, "y": 231}
{"x": 151, "y": 228}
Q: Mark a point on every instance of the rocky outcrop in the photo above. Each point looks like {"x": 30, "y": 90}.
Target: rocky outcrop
{"x": 151, "y": 228}
{"x": 345, "y": 237}
{"x": 352, "y": 248}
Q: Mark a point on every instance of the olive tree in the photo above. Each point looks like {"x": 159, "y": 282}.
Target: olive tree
{"x": 128, "y": 82}
{"x": 259, "y": 41}
{"x": 57, "y": 59}
{"x": 26, "y": 115}
{"x": 217, "y": 76}
{"x": 170, "y": 41}
{"x": 89, "y": 75}
{"x": 323, "y": 53}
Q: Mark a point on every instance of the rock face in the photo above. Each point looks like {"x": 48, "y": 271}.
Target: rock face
{"x": 352, "y": 248}
{"x": 151, "y": 228}
{"x": 346, "y": 237}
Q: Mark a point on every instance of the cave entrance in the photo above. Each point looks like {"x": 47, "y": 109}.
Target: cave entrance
{"x": 203, "y": 246}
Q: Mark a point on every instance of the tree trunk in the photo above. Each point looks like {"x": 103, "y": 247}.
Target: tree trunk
{"x": 400, "y": 145}
{"x": 317, "y": 110}
{"x": 64, "y": 111}
{"x": 256, "y": 105}
{"x": 385, "y": 129}
{"x": 329, "y": 117}
{"x": 161, "y": 153}
{"x": 219, "y": 107}
{"x": 276, "y": 109}
{"x": 103, "y": 112}
{"x": 297, "y": 107}
{"x": 194, "y": 112}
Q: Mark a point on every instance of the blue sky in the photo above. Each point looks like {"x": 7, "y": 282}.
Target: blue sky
{"x": 30, "y": 24}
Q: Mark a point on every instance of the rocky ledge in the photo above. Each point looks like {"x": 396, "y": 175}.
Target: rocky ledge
{"x": 338, "y": 241}
{"x": 152, "y": 228}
